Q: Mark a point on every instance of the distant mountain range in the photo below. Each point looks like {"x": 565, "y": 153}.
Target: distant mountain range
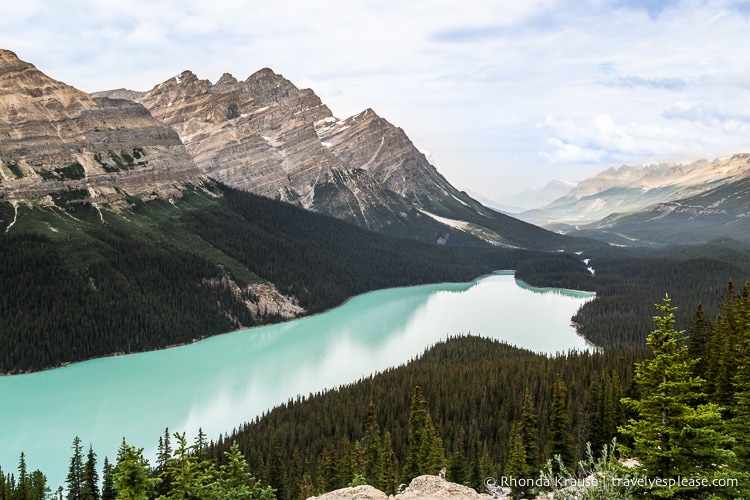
{"x": 664, "y": 203}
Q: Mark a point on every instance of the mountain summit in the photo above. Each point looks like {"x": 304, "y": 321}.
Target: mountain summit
{"x": 54, "y": 137}
{"x": 266, "y": 136}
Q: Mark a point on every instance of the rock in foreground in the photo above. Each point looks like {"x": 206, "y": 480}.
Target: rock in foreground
{"x": 422, "y": 487}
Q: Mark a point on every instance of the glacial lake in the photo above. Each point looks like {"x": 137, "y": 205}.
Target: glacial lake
{"x": 220, "y": 382}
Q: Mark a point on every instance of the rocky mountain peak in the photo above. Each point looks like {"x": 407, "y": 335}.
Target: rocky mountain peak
{"x": 226, "y": 79}
{"x": 55, "y": 137}
{"x": 9, "y": 59}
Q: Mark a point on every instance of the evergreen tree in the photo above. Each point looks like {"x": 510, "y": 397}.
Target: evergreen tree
{"x": 108, "y": 484}
{"x": 530, "y": 432}
{"x": 517, "y": 467}
{"x": 75, "y": 472}
{"x": 90, "y": 477}
{"x": 294, "y": 476}
{"x": 187, "y": 473}
{"x": 698, "y": 337}
{"x": 388, "y": 466}
{"x": 431, "y": 457}
{"x": 131, "y": 475}
{"x": 560, "y": 440}
{"x": 23, "y": 488}
{"x": 595, "y": 432}
{"x": 417, "y": 423}
{"x": 457, "y": 468}
{"x": 39, "y": 490}
{"x": 674, "y": 436}
{"x": 371, "y": 448}
{"x": 235, "y": 481}
{"x": 276, "y": 468}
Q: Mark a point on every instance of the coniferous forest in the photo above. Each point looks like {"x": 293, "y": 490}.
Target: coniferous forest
{"x": 157, "y": 274}
{"x": 479, "y": 408}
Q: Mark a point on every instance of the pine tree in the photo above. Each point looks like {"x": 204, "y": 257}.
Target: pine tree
{"x": 674, "y": 436}
{"x": 90, "y": 477}
{"x": 75, "y": 472}
{"x": 186, "y": 472}
{"x": 431, "y": 457}
{"x": 560, "y": 441}
{"x": 388, "y": 466}
{"x": 517, "y": 467}
{"x": 108, "y": 485}
{"x": 23, "y": 488}
{"x": 371, "y": 448}
{"x": 131, "y": 475}
{"x": 456, "y": 472}
{"x": 275, "y": 472}
{"x": 530, "y": 432}
{"x": 698, "y": 337}
{"x": 417, "y": 423}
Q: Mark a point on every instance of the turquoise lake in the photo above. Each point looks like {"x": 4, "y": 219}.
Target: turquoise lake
{"x": 220, "y": 382}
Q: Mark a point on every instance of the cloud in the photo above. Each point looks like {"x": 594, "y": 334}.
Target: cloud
{"x": 621, "y": 79}
{"x": 653, "y": 7}
{"x": 654, "y": 83}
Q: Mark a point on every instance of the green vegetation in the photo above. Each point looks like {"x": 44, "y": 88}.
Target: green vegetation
{"x": 73, "y": 171}
{"x": 481, "y": 409}
{"x": 158, "y": 274}
{"x": 15, "y": 169}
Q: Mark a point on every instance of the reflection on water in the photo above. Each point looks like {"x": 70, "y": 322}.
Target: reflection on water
{"x": 220, "y": 382}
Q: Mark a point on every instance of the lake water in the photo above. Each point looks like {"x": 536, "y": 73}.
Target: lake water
{"x": 220, "y": 382}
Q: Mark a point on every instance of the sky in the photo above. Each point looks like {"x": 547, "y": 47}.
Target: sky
{"x": 503, "y": 94}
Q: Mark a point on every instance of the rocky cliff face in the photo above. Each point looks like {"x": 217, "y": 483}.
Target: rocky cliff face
{"x": 266, "y": 136}
{"x": 54, "y": 137}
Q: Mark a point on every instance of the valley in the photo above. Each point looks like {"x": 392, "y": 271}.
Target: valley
{"x": 133, "y": 222}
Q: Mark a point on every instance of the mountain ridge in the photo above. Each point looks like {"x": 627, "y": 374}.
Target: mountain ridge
{"x": 54, "y": 138}
{"x": 266, "y": 136}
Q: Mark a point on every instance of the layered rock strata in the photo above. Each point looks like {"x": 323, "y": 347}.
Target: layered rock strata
{"x": 54, "y": 137}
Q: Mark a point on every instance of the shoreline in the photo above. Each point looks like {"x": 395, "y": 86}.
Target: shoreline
{"x": 505, "y": 272}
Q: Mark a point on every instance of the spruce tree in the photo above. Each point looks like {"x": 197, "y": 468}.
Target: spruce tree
{"x": 456, "y": 472}
{"x": 517, "y": 467}
{"x": 530, "y": 432}
{"x": 388, "y": 466}
{"x": 560, "y": 440}
{"x": 108, "y": 485}
{"x": 371, "y": 448}
{"x": 417, "y": 423}
{"x": 75, "y": 472}
{"x": 90, "y": 477}
{"x": 674, "y": 436}
{"x": 23, "y": 488}
{"x": 131, "y": 475}
{"x": 276, "y": 469}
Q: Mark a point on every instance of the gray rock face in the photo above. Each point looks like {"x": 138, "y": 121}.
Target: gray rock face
{"x": 266, "y": 136}
{"x": 420, "y": 488}
{"x": 54, "y": 137}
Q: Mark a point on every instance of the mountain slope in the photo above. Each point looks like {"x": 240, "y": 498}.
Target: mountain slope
{"x": 718, "y": 213}
{"x": 266, "y": 136}
{"x": 54, "y": 137}
{"x": 630, "y": 189}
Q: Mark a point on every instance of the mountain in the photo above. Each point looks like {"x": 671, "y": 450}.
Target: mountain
{"x": 114, "y": 241}
{"x": 56, "y": 138}
{"x": 531, "y": 198}
{"x": 629, "y": 189}
{"x": 266, "y": 136}
{"x": 721, "y": 212}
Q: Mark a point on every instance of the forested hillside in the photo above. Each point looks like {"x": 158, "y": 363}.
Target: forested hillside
{"x": 91, "y": 280}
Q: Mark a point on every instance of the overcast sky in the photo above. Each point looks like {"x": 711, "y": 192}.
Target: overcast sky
{"x": 503, "y": 94}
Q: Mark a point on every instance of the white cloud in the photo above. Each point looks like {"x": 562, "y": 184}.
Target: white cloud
{"x": 623, "y": 80}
